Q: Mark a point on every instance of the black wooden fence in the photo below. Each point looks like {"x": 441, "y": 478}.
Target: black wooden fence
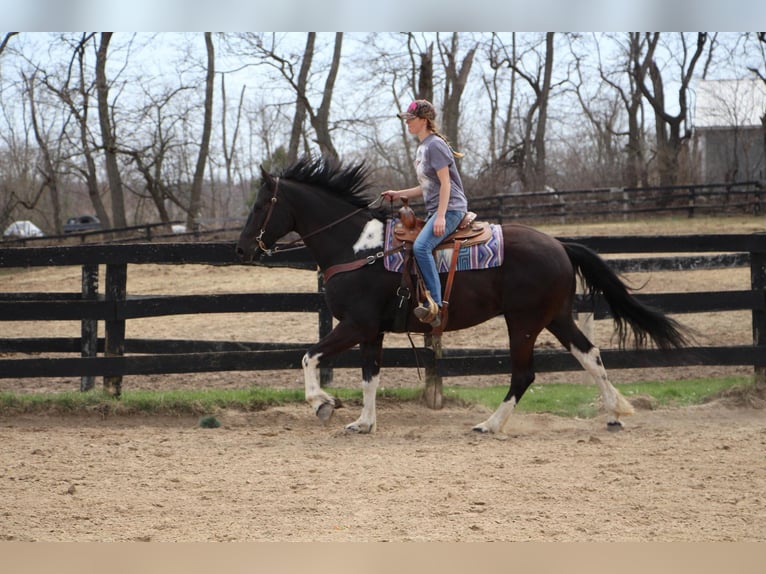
{"x": 120, "y": 357}
{"x": 623, "y": 203}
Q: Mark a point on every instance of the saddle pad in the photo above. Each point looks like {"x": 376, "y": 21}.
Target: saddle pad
{"x": 479, "y": 256}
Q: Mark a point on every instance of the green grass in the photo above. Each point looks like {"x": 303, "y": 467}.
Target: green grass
{"x": 178, "y": 402}
{"x": 571, "y": 400}
{"x": 574, "y": 400}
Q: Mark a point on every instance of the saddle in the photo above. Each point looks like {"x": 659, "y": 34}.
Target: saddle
{"x": 469, "y": 232}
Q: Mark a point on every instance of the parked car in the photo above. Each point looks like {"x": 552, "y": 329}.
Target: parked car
{"x": 82, "y": 223}
{"x": 22, "y": 229}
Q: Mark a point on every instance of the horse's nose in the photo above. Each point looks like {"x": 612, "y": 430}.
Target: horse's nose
{"x": 242, "y": 254}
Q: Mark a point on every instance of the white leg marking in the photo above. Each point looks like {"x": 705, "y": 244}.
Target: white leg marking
{"x": 366, "y": 422}
{"x": 497, "y": 421}
{"x": 371, "y": 236}
{"x": 614, "y": 402}
{"x": 315, "y": 396}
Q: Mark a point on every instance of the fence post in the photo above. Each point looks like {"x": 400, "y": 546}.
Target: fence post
{"x": 433, "y": 392}
{"x": 691, "y": 202}
{"x": 114, "y": 329}
{"x": 325, "y": 326}
{"x": 89, "y": 327}
{"x": 625, "y": 205}
{"x": 758, "y": 283}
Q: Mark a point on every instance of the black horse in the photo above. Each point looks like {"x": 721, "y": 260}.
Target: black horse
{"x": 329, "y": 205}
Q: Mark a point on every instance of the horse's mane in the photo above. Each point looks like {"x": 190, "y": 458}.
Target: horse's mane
{"x": 348, "y": 182}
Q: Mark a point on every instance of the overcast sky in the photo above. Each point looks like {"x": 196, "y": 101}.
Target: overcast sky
{"x": 361, "y": 15}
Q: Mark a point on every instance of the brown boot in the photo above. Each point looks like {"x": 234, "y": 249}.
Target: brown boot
{"x": 428, "y": 311}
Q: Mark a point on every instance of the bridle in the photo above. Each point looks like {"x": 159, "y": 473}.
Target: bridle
{"x": 292, "y": 245}
{"x": 273, "y": 202}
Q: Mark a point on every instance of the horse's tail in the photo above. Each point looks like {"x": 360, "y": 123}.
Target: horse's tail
{"x": 627, "y": 311}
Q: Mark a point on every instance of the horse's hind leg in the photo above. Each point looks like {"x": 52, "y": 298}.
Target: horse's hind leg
{"x": 372, "y": 354}
{"x": 522, "y": 375}
{"x": 588, "y": 355}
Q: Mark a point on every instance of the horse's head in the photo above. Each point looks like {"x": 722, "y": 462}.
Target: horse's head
{"x": 268, "y": 221}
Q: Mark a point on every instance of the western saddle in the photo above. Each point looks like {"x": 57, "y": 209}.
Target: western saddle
{"x": 469, "y": 232}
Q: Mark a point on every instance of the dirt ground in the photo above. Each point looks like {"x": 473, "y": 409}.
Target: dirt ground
{"x": 688, "y": 474}
{"x": 692, "y": 474}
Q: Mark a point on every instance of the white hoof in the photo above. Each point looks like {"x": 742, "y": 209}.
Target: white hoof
{"x": 482, "y": 428}
{"x": 361, "y": 427}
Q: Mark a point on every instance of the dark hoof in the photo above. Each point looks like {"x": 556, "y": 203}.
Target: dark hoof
{"x": 614, "y": 426}
{"x": 325, "y": 412}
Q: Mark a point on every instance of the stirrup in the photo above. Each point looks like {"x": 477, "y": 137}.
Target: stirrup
{"x": 428, "y": 311}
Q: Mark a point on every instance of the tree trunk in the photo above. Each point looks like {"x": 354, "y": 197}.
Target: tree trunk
{"x": 107, "y": 134}
{"x": 90, "y": 173}
{"x": 301, "y": 104}
{"x": 456, "y": 80}
{"x": 542, "y": 116}
{"x": 321, "y": 121}
{"x": 195, "y": 201}
{"x": 668, "y": 127}
{"x": 48, "y": 168}
{"x": 229, "y": 148}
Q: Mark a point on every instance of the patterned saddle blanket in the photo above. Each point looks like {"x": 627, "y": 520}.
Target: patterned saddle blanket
{"x": 477, "y": 256}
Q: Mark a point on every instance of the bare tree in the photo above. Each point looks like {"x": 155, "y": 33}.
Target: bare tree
{"x": 760, "y": 72}
{"x": 267, "y": 50}
{"x": 597, "y": 154}
{"x": 229, "y": 148}
{"x": 49, "y": 160}
{"x": 320, "y": 120}
{"x": 108, "y": 138}
{"x": 671, "y": 129}
{"x": 75, "y": 89}
{"x": 195, "y": 201}
{"x": 499, "y": 56}
{"x": 539, "y": 79}
{"x": 6, "y": 38}
{"x": 456, "y": 78}
{"x": 301, "y": 103}
{"x": 621, "y": 79}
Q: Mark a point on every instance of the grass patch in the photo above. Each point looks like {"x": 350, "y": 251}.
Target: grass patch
{"x": 572, "y": 400}
{"x": 582, "y": 401}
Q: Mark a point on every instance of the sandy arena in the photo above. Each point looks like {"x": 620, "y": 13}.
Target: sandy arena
{"x": 673, "y": 474}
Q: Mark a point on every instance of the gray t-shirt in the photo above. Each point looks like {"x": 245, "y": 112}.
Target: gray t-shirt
{"x": 432, "y": 154}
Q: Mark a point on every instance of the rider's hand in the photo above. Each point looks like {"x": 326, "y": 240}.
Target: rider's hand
{"x": 440, "y": 225}
{"x": 391, "y": 194}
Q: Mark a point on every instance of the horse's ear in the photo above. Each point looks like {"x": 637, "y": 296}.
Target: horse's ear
{"x": 267, "y": 177}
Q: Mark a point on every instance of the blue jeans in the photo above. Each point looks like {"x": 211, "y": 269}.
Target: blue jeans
{"x": 423, "y": 250}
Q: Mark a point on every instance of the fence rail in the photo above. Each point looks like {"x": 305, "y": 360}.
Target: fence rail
{"x": 121, "y": 357}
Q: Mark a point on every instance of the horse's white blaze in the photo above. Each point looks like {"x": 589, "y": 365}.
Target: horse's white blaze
{"x": 314, "y": 394}
{"x": 497, "y": 421}
{"x": 614, "y": 402}
{"x": 367, "y": 420}
{"x": 371, "y": 236}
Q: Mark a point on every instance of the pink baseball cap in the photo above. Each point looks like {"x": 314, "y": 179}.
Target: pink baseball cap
{"x": 419, "y": 109}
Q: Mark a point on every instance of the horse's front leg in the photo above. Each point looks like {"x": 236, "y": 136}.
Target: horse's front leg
{"x": 344, "y": 336}
{"x": 372, "y": 355}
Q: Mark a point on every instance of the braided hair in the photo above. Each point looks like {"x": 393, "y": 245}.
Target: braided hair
{"x": 433, "y": 128}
